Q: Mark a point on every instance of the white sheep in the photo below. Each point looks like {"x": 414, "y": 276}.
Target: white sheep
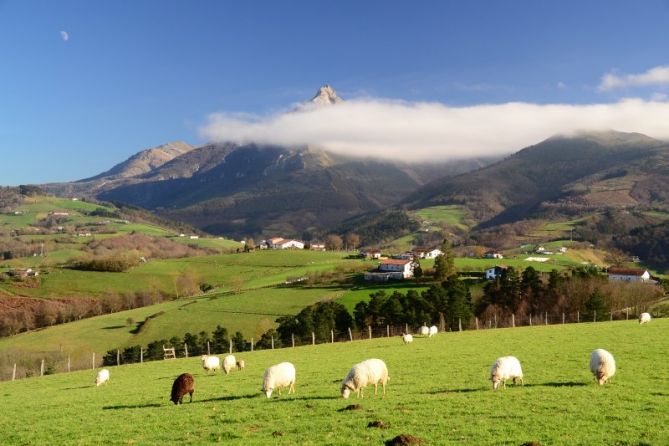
{"x": 277, "y": 377}
{"x": 424, "y": 330}
{"x": 407, "y": 338}
{"x": 602, "y": 365}
{"x": 211, "y": 363}
{"x": 644, "y": 317}
{"x": 103, "y": 377}
{"x": 505, "y": 368}
{"x": 433, "y": 331}
{"x": 229, "y": 363}
{"x": 371, "y": 371}
{"x": 241, "y": 364}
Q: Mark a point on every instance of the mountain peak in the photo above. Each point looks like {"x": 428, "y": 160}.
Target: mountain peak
{"x": 326, "y": 95}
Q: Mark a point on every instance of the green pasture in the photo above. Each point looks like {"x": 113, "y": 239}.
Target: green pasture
{"x": 452, "y": 215}
{"x": 351, "y": 297}
{"x": 439, "y": 391}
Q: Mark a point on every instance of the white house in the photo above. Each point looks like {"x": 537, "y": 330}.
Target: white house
{"x": 397, "y": 269}
{"x": 317, "y": 246}
{"x": 493, "y": 255}
{"x": 628, "y": 274}
{"x": 494, "y": 272}
{"x": 427, "y": 253}
{"x": 371, "y": 253}
{"x": 282, "y": 243}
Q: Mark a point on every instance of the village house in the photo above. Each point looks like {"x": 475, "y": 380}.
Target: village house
{"x": 282, "y": 243}
{"x": 494, "y": 272}
{"x": 60, "y": 214}
{"x": 426, "y": 253}
{"x": 628, "y": 274}
{"x": 317, "y": 246}
{"x": 395, "y": 269}
{"x": 493, "y": 255}
{"x": 371, "y": 253}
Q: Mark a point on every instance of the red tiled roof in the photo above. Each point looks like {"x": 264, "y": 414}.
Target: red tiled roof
{"x": 396, "y": 262}
{"x": 627, "y": 271}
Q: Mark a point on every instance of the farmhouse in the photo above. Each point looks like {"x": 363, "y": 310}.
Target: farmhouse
{"x": 493, "y": 255}
{"x": 60, "y": 214}
{"x": 317, "y": 246}
{"x": 628, "y": 274}
{"x": 282, "y": 243}
{"x": 426, "y": 253}
{"x": 371, "y": 253}
{"x": 494, "y": 272}
{"x": 397, "y": 269}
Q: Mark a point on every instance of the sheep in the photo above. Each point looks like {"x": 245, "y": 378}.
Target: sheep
{"x": 241, "y": 364}
{"x": 371, "y": 371}
{"x": 424, "y": 331}
{"x": 433, "y": 331}
{"x": 211, "y": 363}
{"x": 229, "y": 363}
{"x": 182, "y": 385}
{"x": 407, "y": 338}
{"x": 643, "y": 318}
{"x": 505, "y": 368}
{"x": 277, "y": 377}
{"x": 103, "y": 377}
{"x": 602, "y": 365}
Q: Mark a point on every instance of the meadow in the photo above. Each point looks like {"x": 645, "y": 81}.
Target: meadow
{"x": 439, "y": 391}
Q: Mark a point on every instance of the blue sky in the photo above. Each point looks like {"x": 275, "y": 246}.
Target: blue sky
{"x": 135, "y": 74}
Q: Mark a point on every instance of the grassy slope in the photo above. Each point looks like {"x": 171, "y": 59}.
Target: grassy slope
{"x": 441, "y": 394}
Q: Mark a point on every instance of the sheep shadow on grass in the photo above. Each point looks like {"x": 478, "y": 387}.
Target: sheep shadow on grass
{"x": 558, "y": 384}
{"x": 304, "y": 398}
{"x": 229, "y": 398}
{"x": 131, "y": 406}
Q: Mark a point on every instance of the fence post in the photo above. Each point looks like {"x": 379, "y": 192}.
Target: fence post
{"x": 594, "y": 316}
{"x": 94, "y": 360}
{"x": 578, "y": 317}
{"x": 513, "y": 320}
{"x": 230, "y": 345}
{"x": 388, "y": 331}
{"x": 495, "y": 320}
{"x": 546, "y": 318}
{"x": 251, "y": 344}
{"x": 272, "y": 342}
{"x": 459, "y": 324}
{"x": 563, "y": 317}
{"x": 369, "y": 330}
{"x": 611, "y": 316}
{"x": 477, "y": 323}
{"x": 118, "y": 357}
{"x": 406, "y": 328}
{"x": 208, "y": 349}
{"x": 627, "y": 313}
{"x": 313, "y": 338}
{"x": 530, "y": 318}
{"x": 489, "y": 324}
{"x": 332, "y": 336}
{"x": 41, "y": 368}
{"x": 141, "y": 354}
{"x": 186, "y": 350}
{"x": 14, "y": 373}
{"x": 292, "y": 338}
{"x": 68, "y": 363}
{"x": 350, "y": 334}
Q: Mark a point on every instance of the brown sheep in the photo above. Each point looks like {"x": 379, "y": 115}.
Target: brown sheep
{"x": 182, "y": 385}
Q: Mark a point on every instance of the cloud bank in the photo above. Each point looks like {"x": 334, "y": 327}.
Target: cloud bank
{"x": 434, "y": 131}
{"x": 654, "y": 76}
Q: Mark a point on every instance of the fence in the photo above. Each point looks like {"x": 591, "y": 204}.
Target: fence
{"x": 63, "y": 363}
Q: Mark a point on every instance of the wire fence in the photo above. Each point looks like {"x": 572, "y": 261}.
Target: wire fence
{"x": 63, "y": 362}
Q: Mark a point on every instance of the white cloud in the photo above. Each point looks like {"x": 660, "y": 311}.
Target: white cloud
{"x": 65, "y": 36}
{"x": 428, "y": 131}
{"x": 561, "y": 85}
{"x": 655, "y": 76}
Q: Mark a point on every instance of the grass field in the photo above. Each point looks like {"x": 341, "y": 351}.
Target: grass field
{"x": 435, "y": 216}
{"x": 439, "y": 391}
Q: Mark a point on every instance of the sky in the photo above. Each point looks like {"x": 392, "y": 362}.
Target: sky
{"x": 86, "y": 84}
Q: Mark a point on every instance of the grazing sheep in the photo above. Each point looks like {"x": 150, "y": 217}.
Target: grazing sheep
{"x": 277, "y": 377}
{"x": 424, "y": 330}
{"x": 407, "y": 338}
{"x": 602, "y": 365}
{"x": 211, "y": 362}
{"x": 371, "y": 371}
{"x": 241, "y": 364}
{"x": 505, "y": 368}
{"x": 103, "y": 377}
{"x": 433, "y": 331}
{"x": 229, "y": 363}
{"x": 182, "y": 385}
{"x": 644, "y": 317}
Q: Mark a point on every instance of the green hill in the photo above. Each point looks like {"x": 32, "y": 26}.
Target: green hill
{"x": 439, "y": 392}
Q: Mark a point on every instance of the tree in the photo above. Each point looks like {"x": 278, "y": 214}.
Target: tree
{"x": 595, "y": 306}
{"x": 459, "y": 305}
{"x": 352, "y": 240}
{"x": 444, "y": 264}
{"x": 249, "y": 244}
{"x": 417, "y": 270}
{"x": 333, "y": 242}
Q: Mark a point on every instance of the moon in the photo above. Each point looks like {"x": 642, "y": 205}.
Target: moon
{"x": 65, "y": 36}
